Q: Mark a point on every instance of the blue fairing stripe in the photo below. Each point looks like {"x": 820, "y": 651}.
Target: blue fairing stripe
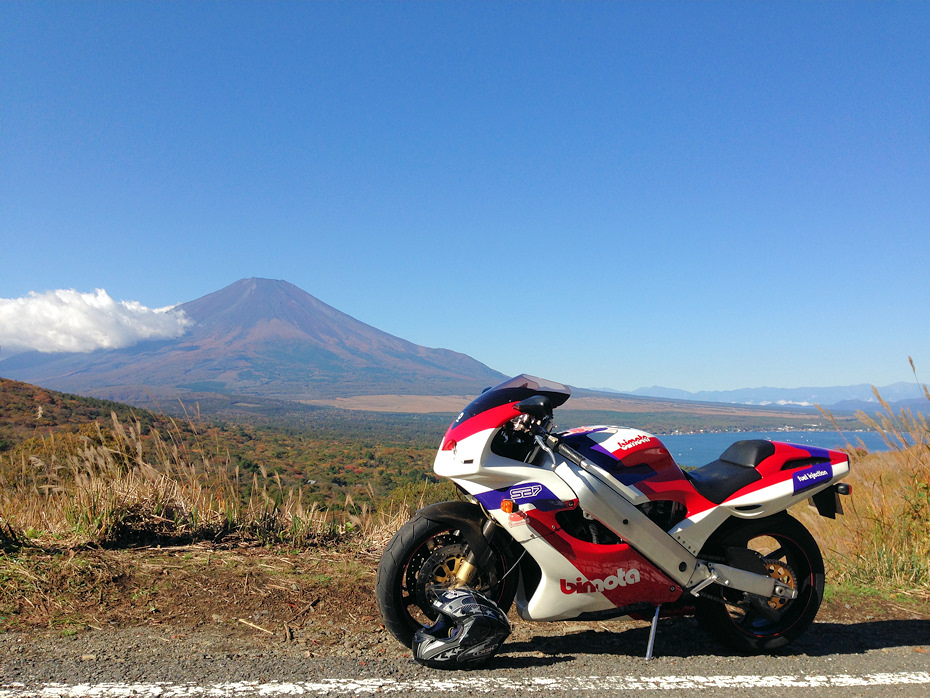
{"x": 533, "y": 493}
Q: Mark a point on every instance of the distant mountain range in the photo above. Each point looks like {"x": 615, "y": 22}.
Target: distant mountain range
{"x": 850, "y": 397}
{"x": 262, "y": 338}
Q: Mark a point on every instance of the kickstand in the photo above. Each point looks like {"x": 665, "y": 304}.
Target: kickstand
{"x": 652, "y": 632}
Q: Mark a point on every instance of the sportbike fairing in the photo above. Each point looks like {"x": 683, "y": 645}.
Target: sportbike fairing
{"x": 588, "y": 528}
{"x": 751, "y": 479}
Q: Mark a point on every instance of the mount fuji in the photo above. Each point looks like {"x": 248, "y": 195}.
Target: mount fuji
{"x": 263, "y": 338}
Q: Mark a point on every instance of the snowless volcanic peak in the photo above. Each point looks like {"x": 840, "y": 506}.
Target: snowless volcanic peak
{"x": 251, "y": 302}
{"x": 259, "y": 312}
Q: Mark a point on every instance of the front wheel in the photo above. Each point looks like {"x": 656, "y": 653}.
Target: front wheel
{"x": 753, "y": 624}
{"x": 424, "y": 555}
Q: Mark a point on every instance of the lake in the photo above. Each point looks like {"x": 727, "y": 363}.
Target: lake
{"x": 698, "y": 449}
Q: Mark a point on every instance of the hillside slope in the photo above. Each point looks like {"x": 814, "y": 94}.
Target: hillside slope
{"x": 28, "y": 410}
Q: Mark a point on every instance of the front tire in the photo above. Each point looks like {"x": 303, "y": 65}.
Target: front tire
{"x": 753, "y": 624}
{"x": 425, "y": 554}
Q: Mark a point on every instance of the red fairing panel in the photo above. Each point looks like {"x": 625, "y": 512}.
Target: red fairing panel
{"x": 617, "y": 571}
{"x": 491, "y": 419}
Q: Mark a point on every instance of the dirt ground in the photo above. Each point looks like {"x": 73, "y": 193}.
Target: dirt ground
{"x": 322, "y": 599}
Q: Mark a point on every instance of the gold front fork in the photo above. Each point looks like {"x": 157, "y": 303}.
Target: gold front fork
{"x": 467, "y": 573}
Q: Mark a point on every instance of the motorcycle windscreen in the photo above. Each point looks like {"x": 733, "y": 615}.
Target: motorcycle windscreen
{"x": 514, "y": 390}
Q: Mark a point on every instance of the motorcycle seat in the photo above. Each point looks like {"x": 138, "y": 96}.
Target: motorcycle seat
{"x": 718, "y": 480}
{"x": 748, "y": 453}
{"x": 735, "y": 469}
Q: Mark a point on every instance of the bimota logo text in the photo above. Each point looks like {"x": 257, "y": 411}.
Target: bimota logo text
{"x": 638, "y": 441}
{"x": 584, "y": 586}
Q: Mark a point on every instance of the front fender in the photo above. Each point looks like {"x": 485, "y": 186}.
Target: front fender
{"x": 468, "y": 517}
{"x": 454, "y": 512}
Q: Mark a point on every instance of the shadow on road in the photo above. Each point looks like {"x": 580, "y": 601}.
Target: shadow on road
{"x": 682, "y": 637}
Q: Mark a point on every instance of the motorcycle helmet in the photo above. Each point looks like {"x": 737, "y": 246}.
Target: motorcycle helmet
{"x": 469, "y": 631}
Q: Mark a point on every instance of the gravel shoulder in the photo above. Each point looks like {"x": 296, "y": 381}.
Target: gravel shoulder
{"x": 353, "y": 659}
{"x": 208, "y": 615}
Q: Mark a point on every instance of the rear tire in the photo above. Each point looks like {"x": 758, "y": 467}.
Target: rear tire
{"x": 753, "y": 624}
{"x": 425, "y": 554}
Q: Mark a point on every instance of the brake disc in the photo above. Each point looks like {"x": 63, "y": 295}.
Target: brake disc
{"x": 438, "y": 571}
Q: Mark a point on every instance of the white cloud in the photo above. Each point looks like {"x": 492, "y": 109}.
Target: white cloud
{"x": 67, "y": 320}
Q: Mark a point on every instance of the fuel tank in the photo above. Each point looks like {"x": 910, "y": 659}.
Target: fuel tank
{"x": 630, "y": 455}
{"x": 637, "y": 460}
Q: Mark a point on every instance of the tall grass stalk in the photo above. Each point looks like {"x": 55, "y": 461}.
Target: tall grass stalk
{"x": 884, "y": 538}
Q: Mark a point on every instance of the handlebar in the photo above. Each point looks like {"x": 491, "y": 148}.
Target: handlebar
{"x": 551, "y": 442}
{"x": 565, "y": 450}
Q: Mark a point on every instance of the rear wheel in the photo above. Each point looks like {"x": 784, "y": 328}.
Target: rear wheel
{"x": 755, "y": 624}
{"x": 425, "y": 555}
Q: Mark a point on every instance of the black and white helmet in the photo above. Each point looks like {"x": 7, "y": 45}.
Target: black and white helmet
{"x": 468, "y": 632}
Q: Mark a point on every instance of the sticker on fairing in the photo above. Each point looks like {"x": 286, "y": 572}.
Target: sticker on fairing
{"x": 811, "y": 476}
{"x": 589, "y": 586}
{"x": 527, "y": 493}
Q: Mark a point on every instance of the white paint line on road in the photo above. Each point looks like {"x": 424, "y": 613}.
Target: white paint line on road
{"x": 474, "y": 684}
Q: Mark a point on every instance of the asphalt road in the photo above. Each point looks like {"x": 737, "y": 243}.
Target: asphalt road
{"x": 873, "y": 658}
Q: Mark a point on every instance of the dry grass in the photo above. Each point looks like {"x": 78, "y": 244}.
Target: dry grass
{"x": 118, "y": 489}
{"x": 883, "y": 540}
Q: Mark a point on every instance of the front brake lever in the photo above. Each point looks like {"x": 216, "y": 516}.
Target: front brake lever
{"x": 541, "y": 442}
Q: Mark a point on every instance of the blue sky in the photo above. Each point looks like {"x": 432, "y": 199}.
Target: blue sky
{"x": 695, "y": 195}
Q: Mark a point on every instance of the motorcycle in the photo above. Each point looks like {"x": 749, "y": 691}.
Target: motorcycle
{"x": 600, "y": 522}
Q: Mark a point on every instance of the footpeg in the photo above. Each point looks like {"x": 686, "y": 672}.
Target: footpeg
{"x": 703, "y": 584}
